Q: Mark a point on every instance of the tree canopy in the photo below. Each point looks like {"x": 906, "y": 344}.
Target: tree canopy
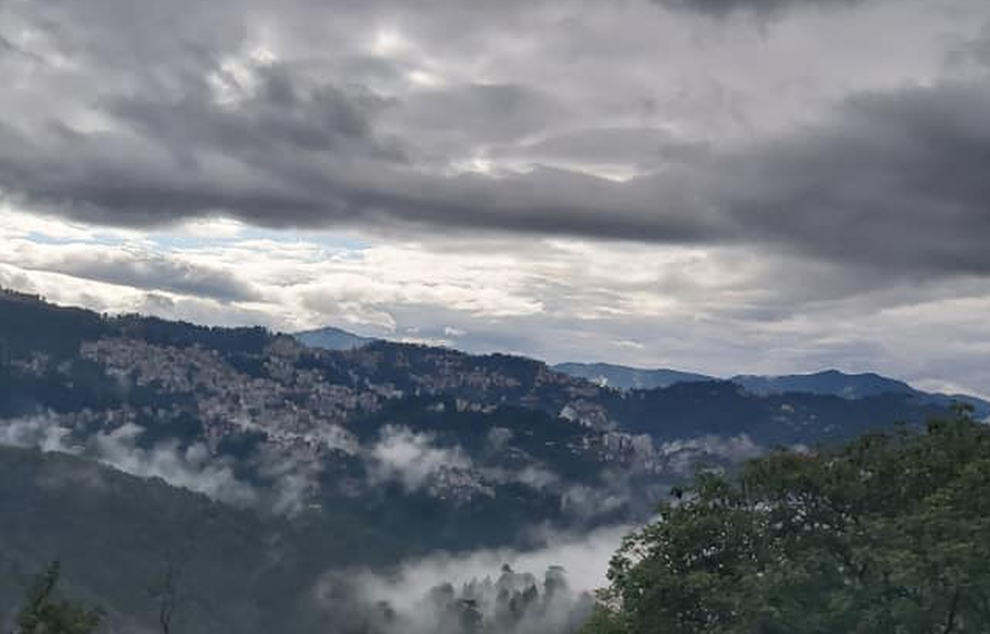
{"x": 44, "y": 613}
{"x": 890, "y": 533}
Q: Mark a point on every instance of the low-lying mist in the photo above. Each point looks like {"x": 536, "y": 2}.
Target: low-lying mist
{"x": 542, "y": 591}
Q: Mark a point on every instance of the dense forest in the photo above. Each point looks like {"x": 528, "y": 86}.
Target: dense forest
{"x": 256, "y": 484}
{"x": 888, "y": 533}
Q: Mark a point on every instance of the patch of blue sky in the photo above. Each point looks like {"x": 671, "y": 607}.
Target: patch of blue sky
{"x": 335, "y": 242}
{"x": 96, "y": 238}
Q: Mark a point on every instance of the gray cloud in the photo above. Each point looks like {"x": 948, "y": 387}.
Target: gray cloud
{"x": 139, "y": 187}
{"x": 893, "y": 178}
{"x": 285, "y": 112}
{"x": 722, "y": 7}
{"x": 147, "y": 271}
{"x": 897, "y": 179}
{"x": 484, "y": 113}
{"x": 643, "y": 147}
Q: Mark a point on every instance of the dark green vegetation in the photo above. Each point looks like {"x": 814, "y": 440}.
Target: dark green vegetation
{"x": 890, "y": 533}
{"x": 225, "y": 471}
{"x": 118, "y": 536}
{"x": 44, "y": 612}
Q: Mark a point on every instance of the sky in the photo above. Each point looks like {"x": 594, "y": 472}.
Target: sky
{"x": 724, "y": 186}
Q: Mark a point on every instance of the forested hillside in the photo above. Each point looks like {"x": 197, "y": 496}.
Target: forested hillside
{"x": 889, "y": 533}
{"x": 265, "y": 465}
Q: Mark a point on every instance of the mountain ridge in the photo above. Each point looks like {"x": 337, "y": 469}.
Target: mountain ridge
{"x": 829, "y": 381}
{"x": 626, "y": 377}
{"x": 389, "y": 448}
{"x": 332, "y": 338}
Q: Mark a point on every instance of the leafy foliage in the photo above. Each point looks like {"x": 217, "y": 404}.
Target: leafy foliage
{"x": 889, "y": 534}
{"x": 44, "y": 613}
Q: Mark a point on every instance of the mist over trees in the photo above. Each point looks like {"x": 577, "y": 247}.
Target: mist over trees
{"x": 507, "y": 602}
{"x": 890, "y": 533}
{"x": 443, "y": 465}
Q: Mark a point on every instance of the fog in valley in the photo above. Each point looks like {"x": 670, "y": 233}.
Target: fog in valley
{"x": 543, "y": 591}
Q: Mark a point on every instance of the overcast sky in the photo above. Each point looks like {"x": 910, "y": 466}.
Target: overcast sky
{"x": 714, "y": 185}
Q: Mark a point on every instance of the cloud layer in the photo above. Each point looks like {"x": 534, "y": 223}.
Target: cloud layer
{"x": 430, "y": 595}
{"x": 373, "y": 131}
{"x": 717, "y": 189}
{"x": 191, "y": 468}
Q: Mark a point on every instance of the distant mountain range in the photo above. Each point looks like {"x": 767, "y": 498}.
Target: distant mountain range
{"x": 628, "y": 378}
{"x": 294, "y": 455}
{"x": 826, "y": 382}
{"x": 331, "y": 338}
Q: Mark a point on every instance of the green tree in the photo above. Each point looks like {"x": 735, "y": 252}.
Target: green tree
{"x": 890, "y": 533}
{"x": 44, "y": 613}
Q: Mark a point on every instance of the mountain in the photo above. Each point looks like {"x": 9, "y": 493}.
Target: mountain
{"x": 331, "y": 338}
{"x": 627, "y": 378}
{"x": 293, "y": 464}
{"x": 853, "y": 386}
{"x": 825, "y": 382}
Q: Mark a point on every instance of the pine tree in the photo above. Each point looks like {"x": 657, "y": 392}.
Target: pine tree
{"x": 44, "y": 613}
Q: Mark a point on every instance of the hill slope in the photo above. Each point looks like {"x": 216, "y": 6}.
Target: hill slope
{"x": 310, "y": 459}
{"x": 627, "y": 378}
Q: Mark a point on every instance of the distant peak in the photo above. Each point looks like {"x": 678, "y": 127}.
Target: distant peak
{"x": 332, "y": 338}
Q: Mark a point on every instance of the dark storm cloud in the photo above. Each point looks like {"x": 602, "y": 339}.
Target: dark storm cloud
{"x": 492, "y": 112}
{"x": 148, "y": 271}
{"x": 645, "y": 148}
{"x": 897, "y": 179}
{"x": 194, "y": 158}
{"x": 722, "y": 7}
{"x": 977, "y": 50}
{"x": 893, "y": 179}
{"x": 9, "y": 48}
{"x": 284, "y": 114}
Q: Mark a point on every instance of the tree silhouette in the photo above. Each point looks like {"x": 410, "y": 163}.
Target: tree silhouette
{"x": 44, "y": 612}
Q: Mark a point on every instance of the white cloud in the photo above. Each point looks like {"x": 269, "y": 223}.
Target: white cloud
{"x": 718, "y": 310}
{"x": 584, "y": 559}
{"x": 294, "y": 480}
{"x": 191, "y": 468}
{"x": 42, "y": 432}
{"x": 413, "y": 458}
{"x": 681, "y": 455}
